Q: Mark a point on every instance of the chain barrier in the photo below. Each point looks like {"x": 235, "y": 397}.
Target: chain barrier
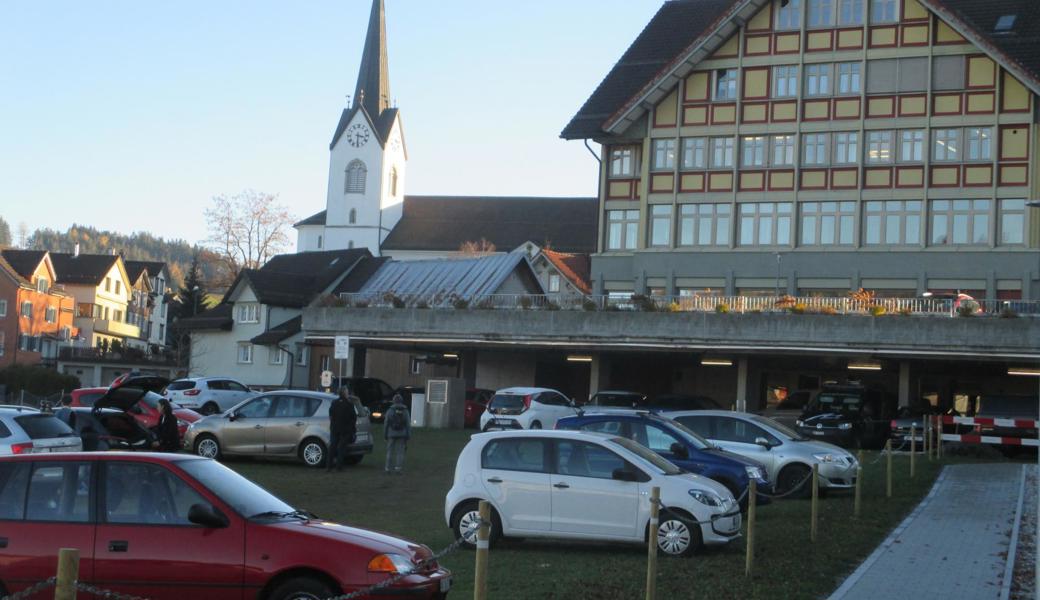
{"x": 32, "y": 590}
{"x": 795, "y": 488}
{"x": 109, "y": 594}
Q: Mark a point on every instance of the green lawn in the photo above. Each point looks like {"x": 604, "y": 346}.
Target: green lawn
{"x": 787, "y": 564}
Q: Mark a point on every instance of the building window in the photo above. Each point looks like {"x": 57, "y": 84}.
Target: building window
{"x": 753, "y": 151}
{"x": 108, "y": 284}
{"x": 51, "y": 315}
{"x": 789, "y": 14}
{"x": 722, "y": 153}
{"x": 959, "y": 222}
{"x": 274, "y": 355}
{"x": 350, "y": 244}
{"x": 117, "y": 316}
{"x": 884, "y": 11}
{"x": 846, "y": 148}
{"x": 42, "y": 285}
{"x": 726, "y": 84}
{"x": 664, "y": 155}
{"x": 783, "y": 150}
{"x": 893, "y": 222}
{"x": 827, "y": 223}
{"x": 393, "y": 182}
{"x": 911, "y": 145}
{"x": 245, "y": 353}
{"x": 947, "y": 146}
{"x": 622, "y": 228}
{"x": 850, "y": 12}
{"x": 821, "y": 13}
{"x": 3, "y": 308}
{"x": 785, "y": 81}
{"x": 357, "y": 172}
{"x": 162, "y": 332}
{"x": 3, "y": 340}
{"x": 248, "y": 312}
{"x": 879, "y": 147}
{"x": 554, "y": 283}
{"x": 694, "y": 154}
{"x": 814, "y": 149}
{"x": 352, "y": 216}
{"x": 704, "y": 224}
{"x": 765, "y": 224}
{"x": 818, "y": 80}
{"x": 622, "y": 162}
{"x": 849, "y": 81}
{"x": 948, "y": 73}
{"x": 319, "y": 242}
{"x": 65, "y": 334}
{"x": 889, "y": 76}
{"x": 660, "y": 225}
{"x": 27, "y": 309}
{"x": 302, "y": 350}
{"x": 1012, "y": 222}
{"x": 414, "y": 365}
{"x": 119, "y": 287}
{"x": 979, "y": 146}
{"x": 326, "y": 361}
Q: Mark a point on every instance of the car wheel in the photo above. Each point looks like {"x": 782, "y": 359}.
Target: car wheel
{"x": 536, "y": 425}
{"x": 792, "y": 476}
{"x": 353, "y": 459}
{"x": 313, "y": 452}
{"x": 209, "y": 408}
{"x": 207, "y": 446}
{"x": 301, "y": 588}
{"x": 464, "y": 523}
{"x": 676, "y": 535}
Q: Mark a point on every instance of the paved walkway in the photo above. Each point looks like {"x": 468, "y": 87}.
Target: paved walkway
{"x": 954, "y": 545}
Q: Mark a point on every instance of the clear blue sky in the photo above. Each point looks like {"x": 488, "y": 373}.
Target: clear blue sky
{"x": 132, "y": 115}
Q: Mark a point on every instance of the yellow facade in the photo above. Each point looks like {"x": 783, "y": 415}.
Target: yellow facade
{"x": 1016, "y": 96}
{"x": 944, "y": 34}
{"x": 667, "y": 109}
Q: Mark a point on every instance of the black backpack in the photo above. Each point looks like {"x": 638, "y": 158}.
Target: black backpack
{"x": 398, "y": 422}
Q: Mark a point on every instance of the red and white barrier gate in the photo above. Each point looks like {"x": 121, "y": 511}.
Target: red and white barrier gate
{"x": 977, "y": 438}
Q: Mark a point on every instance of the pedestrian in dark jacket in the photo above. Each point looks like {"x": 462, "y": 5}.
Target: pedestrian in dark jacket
{"x": 397, "y": 431}
{"x": 342, "y": 430}
{"x": 169, "y": 433}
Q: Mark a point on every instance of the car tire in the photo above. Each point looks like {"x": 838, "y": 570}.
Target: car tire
{"x": 789, "y": 477}
{"x": 207, "y": 446}
{"x": 209, "y": 408}
{"x": 313, "y": 452}
{"x": 466, "y": 514}
{"x": 535, "y": 425}
{"x": 301, "y": 588}
{"x": 676, "y": 533}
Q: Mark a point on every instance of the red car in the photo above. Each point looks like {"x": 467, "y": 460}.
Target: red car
{"x": 170, "y": 526}
{"x": 145, "y": 409}
{"x": 476, "y": 403}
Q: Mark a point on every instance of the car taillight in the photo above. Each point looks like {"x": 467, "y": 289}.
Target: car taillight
{"x": 527, "y": 402}
{"x": 892, "y": 424}
{"x": 193, "y": 392}
{"x": 24, "y": 448}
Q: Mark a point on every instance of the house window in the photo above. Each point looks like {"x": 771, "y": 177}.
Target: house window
{"x": 849, "y": 81}
{"x": 622, "y": 229}
{"x": 393, "y": 182}
{"x": 117, "y": 316}
{"x": 893, "y": 222}
{"x": 979, "y": 143}
{"x": 352, "y": 216}
{"x": 27, "y": 309}
{"x": 704, "y": 224}
{"x": 726, "y": 84}
{"x": 414, "y": 365}
{"x": 765, "y": 224}
{"x": 948, "y": 73}
{"x": 783, "y": 150}
{"x": 51, "y": 315}
{"x": 888, "y": 76}
{"x": 850, "y": 12}
{"x": 248, "y": 312}
{"x": 119, "y": 287}
{"x": 947, "y": 146}
{"x": 722, "y": 153}
{"x": 350, "y": 244}
{"x": 554, "y": 283}
{"x": 302, "y": 350}
{"x": 911, "y": 145}
{"x": 789, "y": 14}
{"x": 319, "y": 242}
{"x": 818, "y": 80}
{"x": 3, "y": 308}
{"x": 753, "y": 151}
{"x": 821, "y": 13}
{"x": 879, "y": 147}
{"x": 827, "y": 223}
{"x": 245, "y": 353}
{"x": 846, "y": 148}
{"x": 108, "y": 284}
{"x": 622, "y": 162}
{"x": 664, "y": 155}
{"x": 814, "y": 149}
{"x": 694, "y": 154}
{"x": 162, "y": 332}
{"x": 65, "y": 334}
{"x": 884, "y": 11}
{"x": 959, "y": 222}
{"x": 326, "y": 361}
{"x": 275, "y": 355}
{"x": 1012, "y": 222}
{"x": 660, "y": 225}
{"x": 356, "y": 175}
{"x": 3, "y": 340}
{"x": 785, "y": 81}
{"x": 42, "y": 285}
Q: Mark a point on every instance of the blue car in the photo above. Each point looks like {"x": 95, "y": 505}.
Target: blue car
{"x": 679, "y": 445}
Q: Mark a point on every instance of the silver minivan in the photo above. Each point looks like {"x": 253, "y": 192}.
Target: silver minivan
{"x": 289, "y": 423}
{"x": 28, "y": 431}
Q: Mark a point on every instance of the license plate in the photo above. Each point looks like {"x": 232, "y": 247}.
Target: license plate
{"x": 445, "y": 584}
{"x": 362, "y": 437}
{"x": 817, "y": 433}
{"x": 728, "y": 524}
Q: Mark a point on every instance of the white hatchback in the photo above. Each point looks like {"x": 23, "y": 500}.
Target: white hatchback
{"x": 526, "y": 408}
{"x": 584, "y": 486}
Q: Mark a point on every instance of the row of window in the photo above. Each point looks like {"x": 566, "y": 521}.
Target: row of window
{"x": 109, "y": 285}
{"x": 275, "y": 355}
{"x": 829, "y": 223}
{"x": 835, "y": 13}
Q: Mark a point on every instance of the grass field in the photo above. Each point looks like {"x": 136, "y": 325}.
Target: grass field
{"x": 787, "y": 564}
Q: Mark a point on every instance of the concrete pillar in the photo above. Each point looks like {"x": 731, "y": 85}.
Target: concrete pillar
{"x": 468, "y": 359}
{"x": 599, "y": 373}
{"x": 904, "y": 384}
{"x": 97, "y": 376}
{"x": 742, "y": 377}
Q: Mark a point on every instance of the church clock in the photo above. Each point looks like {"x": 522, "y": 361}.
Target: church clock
{"x": 357, "y": 135}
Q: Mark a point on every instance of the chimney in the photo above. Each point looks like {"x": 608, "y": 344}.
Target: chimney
{"x": 75, "y": 251}
{"x": 111, "y": 251}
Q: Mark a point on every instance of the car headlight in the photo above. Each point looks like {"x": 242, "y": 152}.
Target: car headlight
{"x": 181, "y": 423}
{"x": 706, "y": 498}
{"x": 755, "y": 472}
{"x": 845, "y": 426}
{"x": 390, "y": 563}
{"x": 799, "y": 423}
{"x": 824, "y": 458}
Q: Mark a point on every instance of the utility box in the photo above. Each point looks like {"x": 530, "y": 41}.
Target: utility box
{"x": 418, "y": 409}
{"x": 445, "y": 403}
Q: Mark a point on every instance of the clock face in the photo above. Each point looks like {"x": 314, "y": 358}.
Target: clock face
{"x": 357, "y": 135}
{"x": 395, "y": 144}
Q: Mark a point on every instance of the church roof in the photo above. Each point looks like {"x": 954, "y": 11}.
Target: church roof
{"x": 380, "y": 125}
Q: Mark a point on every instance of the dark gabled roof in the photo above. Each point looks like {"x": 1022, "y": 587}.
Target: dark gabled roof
{"x": 280, "y": 332}
{"x": 381, "y": 124}
{"x": 1017, "y": 45}
{"x": 7, "y": 268}
{"x": 218, "y": 317}
{"x": 83, "y": 269}
{"x": 577, "y": 268}
{"x": 292, "y": 280}
{"x": 443, "y": 223}
{"x": 24, "y": 262}
{"x": 360, "y": 275}
{"x": 315, "y": 219}
{"x": 134, "y": 268}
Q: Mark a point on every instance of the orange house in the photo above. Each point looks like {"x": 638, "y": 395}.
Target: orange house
{"x": 35, "y": 315}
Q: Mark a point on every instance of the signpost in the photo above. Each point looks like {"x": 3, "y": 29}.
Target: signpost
{"x": 342, "y": 353}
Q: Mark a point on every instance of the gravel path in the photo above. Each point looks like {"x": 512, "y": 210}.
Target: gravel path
{"x": 1023, "y": 585}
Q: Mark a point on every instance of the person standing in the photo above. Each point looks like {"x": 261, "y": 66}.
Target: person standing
{"x": 342, "y": 429}
{"x": 397, "y": 431}
{"x": 169, "y": 433}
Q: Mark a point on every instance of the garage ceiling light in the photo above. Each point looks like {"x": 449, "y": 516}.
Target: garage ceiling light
{"x": 451, "y": 356}
{"x": 716, "y": 362}
{"x": 864, "y": 366}
{"x": 579, "y": 358}
{"x": 1024, "y": 371}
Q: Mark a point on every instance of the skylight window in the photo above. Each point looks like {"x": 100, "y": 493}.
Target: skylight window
{"x": 1005, "y": 23}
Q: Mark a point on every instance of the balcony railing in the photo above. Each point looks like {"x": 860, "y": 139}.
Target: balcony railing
{"x": 126, "y": 355}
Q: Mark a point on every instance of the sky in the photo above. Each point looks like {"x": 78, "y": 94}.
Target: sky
{"x": 133, "y": 115}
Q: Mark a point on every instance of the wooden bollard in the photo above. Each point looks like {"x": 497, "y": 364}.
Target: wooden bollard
{"x": 651, "y": 549}
{"x": 480, "y": 578}
{"x": 859, "y": 485}
{"x": 938, "y": 437}
{"x": 928, "y": 437}
{"x": 888, "y": 477}
{"x": 68, "y": 574}
{"x": 749, "y": 565}
{"x": 815, "y": 500}
{"x": 913, "y": 448}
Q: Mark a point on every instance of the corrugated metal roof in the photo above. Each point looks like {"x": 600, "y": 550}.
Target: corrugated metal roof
{"x": 463, "y": 278}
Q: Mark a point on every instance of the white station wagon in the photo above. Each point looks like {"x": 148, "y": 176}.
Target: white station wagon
{"x": 584, "y": 486}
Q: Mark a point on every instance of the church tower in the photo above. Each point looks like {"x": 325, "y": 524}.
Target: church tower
{"x": 367, "y": 154}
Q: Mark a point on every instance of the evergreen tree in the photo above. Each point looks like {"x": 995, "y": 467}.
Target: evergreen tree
{"x": 5, "y": 233}
{"x": 192, "y": 295}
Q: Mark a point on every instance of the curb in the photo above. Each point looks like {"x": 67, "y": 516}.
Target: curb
{"x": 1009, "y": 568}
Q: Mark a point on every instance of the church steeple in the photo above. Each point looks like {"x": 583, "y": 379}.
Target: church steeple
{"x": 373, "y": 84}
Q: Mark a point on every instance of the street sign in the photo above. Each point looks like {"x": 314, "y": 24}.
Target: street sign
{"x": 326, "y": 379}
{"x": 342, "y": 347}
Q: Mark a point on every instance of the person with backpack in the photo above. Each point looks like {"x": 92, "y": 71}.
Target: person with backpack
{"x": 342, "y": 429}
{"x": 396, "y": 432}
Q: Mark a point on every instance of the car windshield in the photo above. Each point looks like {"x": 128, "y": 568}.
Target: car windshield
{"x": 837, "y": 403}
{"x": 244, "y": 496}
{"x": 616, "y": 399}
{"x": 778, "y": 427}
{"x": 648, "y": 455}
{"x": 698, "y": 442}
{"x": 40, "y": 426}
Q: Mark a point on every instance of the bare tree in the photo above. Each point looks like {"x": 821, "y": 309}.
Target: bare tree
{"x": 480, "y": 248}
{"x": 247, "y": 229}
{"x": 23, "y": 235}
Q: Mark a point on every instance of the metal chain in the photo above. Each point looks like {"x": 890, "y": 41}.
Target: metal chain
{"x": 100, "y": 593}
{"x": 32, "y": 590}
{"x": 794, "y": 488}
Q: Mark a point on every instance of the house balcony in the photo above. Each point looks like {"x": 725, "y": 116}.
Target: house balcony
{"x": 116, "y": 328}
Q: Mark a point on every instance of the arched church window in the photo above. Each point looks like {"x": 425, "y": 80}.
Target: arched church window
{"x": 356, "y": 174}
{"x": 350, "y": 245}
{"x": 393, "y": 182}
{"x": 353, "y": 216}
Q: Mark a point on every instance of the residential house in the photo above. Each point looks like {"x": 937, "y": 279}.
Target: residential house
{"x": 36, "y": 315}
{"x": 154, "y": 323}
{"x": 563, "y": 273}
{"x": 103, "y": 292}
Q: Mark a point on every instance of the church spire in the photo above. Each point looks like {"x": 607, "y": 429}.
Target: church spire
{"x": 373, "y": 84}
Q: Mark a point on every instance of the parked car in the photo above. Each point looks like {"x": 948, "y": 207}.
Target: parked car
{"x": 788, "y": 410}
{"x": 665, "y": 402}
{"x": 526, "y": 408}
{"x": 169, "y": 527}
{"x": 476, "y": 403}
{"x": 618, "y": 399}
{"x": 677, "y": 444}
{"x": 584, "y": 486}
{"x": 25, "y": 430}
{"x": 85, "y": 396}
{"x": 852, "y": 416}
{"x": 787, "y": 455}
{"x": 107, "y": 429}
{"x": 914, "y": 416}
{"x": 208, "y": 395}
{"x": 375, "y": 394}
{"x": 145, "y": 408}
{"x": 290, "y": 423}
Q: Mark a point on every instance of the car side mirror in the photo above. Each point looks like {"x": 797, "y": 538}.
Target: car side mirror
{"x": 207, "y": 516}
{"x": 623, "y": 475}
{"x": 679, "y": 450}
{"x": 233, "y": 416}
{"x": 761, "y": 441}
